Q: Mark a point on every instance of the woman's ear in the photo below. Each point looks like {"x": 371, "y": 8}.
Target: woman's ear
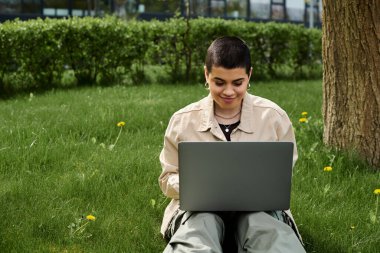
{"x": 206, "y": 73}
{"x": 250, "y": 74}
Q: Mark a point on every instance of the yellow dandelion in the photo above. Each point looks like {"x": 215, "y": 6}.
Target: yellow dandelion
{"x": 327, "y": 168}
{"x": 121, "y": 124}
{"x": 304, "y": 114}
{"x": 376, "y": 191}
{"x": 352, "y": 227}
{"x": 303, "y": 120}
{"x": 91, "y": 217}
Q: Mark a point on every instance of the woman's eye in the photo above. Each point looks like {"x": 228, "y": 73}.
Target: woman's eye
{"x": 238, "y": 83}
{"x": 219, "y": 83}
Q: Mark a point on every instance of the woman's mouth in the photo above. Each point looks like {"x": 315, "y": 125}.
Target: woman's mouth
{"x": 227, "y": 100}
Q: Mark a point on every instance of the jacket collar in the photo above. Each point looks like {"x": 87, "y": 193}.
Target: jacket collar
{"x": 208, "y": 120}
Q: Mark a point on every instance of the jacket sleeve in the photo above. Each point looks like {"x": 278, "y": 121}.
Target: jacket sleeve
{"x": 169, "y": 178}
{"x": 285, "y": 132}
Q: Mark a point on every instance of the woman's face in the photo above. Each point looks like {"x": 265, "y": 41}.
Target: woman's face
{"x": 227, "y": 86}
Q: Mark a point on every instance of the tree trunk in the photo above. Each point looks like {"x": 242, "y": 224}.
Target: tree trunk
{"x": 351, "y": 76}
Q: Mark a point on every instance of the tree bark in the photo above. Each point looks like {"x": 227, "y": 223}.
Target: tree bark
{"x": 351, "y": 76}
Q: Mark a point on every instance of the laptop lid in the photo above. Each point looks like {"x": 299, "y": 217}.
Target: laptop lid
{"x": 235, "y": 176}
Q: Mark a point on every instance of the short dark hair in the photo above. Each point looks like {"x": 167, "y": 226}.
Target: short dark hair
{"x": 228, "y": 52}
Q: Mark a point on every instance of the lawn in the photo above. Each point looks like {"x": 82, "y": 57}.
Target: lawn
{"x": 63, "y": 157}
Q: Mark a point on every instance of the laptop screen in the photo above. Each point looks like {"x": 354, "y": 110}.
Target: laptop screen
{"x": 235, "y": 176}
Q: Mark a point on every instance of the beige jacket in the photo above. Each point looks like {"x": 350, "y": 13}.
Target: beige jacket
{"x": 261, "y": 120}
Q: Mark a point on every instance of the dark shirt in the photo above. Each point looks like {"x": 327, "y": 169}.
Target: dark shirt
{"x": 227, "y": 129}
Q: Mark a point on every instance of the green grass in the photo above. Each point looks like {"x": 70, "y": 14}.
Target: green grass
{"x": 55, "y": 167}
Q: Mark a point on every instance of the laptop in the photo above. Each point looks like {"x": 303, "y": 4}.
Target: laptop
{"x": 235, "y": 176}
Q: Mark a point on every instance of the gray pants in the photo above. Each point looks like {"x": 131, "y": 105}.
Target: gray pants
{"x": 255, "y": 232}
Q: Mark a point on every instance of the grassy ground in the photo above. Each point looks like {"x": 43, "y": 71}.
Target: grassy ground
{"x": 57, "y": 167}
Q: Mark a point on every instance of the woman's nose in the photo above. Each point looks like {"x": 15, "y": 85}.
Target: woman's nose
{"x": 228, "y": 91}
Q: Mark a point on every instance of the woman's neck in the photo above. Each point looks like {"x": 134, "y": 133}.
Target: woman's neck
{"x": 227, "y": 116}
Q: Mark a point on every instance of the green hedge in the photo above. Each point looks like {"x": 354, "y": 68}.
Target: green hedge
{"x": 40, "y": 54}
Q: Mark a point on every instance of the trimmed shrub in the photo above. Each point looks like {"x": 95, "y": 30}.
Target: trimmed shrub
{"x": 41, "y": 54}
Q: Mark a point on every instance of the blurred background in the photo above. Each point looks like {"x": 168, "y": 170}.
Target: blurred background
{"x": 294, "y": 11}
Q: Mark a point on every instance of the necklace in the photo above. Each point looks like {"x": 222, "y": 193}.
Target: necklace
{"x": 227, "y": 117}
{"x": 226, "y": 128}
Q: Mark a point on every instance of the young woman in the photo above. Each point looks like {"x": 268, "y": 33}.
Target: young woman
{"x": 228, "y": 113}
